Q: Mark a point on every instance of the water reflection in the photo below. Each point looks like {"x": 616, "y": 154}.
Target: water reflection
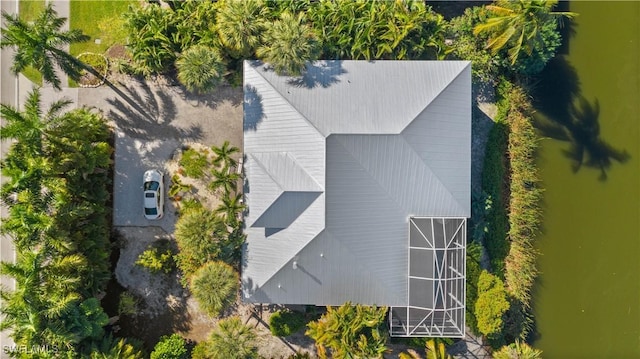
{"x": 568, "y": 116}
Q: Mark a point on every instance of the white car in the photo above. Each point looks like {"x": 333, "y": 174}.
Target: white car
{"x": 153, "y": 186}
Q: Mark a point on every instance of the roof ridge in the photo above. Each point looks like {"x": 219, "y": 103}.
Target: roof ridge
{"x": 286, "y": 100}
{"x": 381, "y": 185}
{"x": 436, "y": 96}
{"x": 345, "y": 248}
{"x": 435, "y": 175}
{"x": 266, "y": 171}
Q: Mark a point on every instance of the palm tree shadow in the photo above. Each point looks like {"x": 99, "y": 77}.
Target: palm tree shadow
{"x": 145, "y": 113}
{"x": 252, "y": 108}
{"x": 568, "y": 116}
{"x": 587, "y": 147}
{"x": 319, "y": 74}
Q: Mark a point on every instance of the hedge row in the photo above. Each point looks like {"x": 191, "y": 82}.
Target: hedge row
{"x": 524, "y": 205}
{"x": 495, "y": 186}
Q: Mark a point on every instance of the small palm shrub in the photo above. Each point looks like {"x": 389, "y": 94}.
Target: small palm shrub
{"x": 170, "y": 347}
{"x": 215, "y": 286}
{"x": 194, "y": 163}
{"x": 288, "y": 44}
{"x": 232, "y": 340}
{"x": 351, "y": 331}
{"x": 284, "y": 322}
{"x": 157, "y": 259}
{"x": 200, "y": 68}
{"x": 201, "y": 237}
{"x": 128, "y": 304}
{"x": 517, "y": 350}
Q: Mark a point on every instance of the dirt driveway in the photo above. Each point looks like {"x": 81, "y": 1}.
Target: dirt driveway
{"x": 152, "y": 121}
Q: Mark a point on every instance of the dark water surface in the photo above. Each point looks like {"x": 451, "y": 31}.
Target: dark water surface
{"x": 587, "y": 301}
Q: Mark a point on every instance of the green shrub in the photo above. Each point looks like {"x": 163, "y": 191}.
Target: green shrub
{"x": 157, "y": 259}
{"x": 232, "y": 340}
{"x": 474, "y": 253}
{"x": 284, "y": 323}
{"x": 194, "y": 163}
{"x": 128, "y": 304}
{"x": 200, "y": 351}
{"x": 215, "y": 286}
{"x": 170, "y": 347}
{"x": 468, "y": 46}
{"x": 200, "y": 68}
{"x": 491, "y": 305}
{"x": 517, "y": 350}
{"x": 493, "y": 183}
{"x": 201, "y": 237}
{"x": 351, "y": 331}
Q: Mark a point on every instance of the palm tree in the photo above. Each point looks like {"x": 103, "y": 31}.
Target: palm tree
{"x": 200, "y": 68}
{"x": 232, "y": 340}
{"x": 201, "y": 237}
{"x": 288, "y": 44}
{"x": 45, "y": 292}
{"x": 436, "y": 349}
{"x": 223, "y": 154}
{"x": 517, "y": 350}
{"x": 117, "y": 348}
{"x": 225, "y": 180}
{"x": 28, "y": 126}
{"x": 223, "y": 278}
{"x": 519, "y": 24}
{"x": 40, "y": 45}
{"x": 230, "y": 207}
{"x": 239, "y": 24}
{"x": 351, "y": 331}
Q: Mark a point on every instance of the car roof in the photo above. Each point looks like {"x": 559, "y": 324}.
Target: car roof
{"x": 150, "y": 199}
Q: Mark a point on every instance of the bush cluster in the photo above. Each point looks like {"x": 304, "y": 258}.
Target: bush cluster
{"x": 284, "y": 322}
{"x": 491, "y": 305}
{"x": 170, "y": 347}
{"x": 474, "y": 253}
{"x": 496, "y": 186}
{"x": 157, "y": 258}
{"x": 57, "y": 194}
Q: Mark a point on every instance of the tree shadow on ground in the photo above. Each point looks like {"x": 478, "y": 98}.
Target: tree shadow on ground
{"x": 212, "y": 99}
{"x": 175, "y": 319}
{"x": 570, "y": 117}
{"x": 145, "y": 113}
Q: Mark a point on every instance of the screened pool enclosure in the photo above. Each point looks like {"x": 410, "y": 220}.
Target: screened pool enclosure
{"x": 436, "y": 280}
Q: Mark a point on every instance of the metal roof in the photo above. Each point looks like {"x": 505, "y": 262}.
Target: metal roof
{"x": 337, "y": 162}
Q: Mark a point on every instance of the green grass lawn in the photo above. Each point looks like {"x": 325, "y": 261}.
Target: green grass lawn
{"x": 29, "y": 10}
{"x": 100, "y": 20}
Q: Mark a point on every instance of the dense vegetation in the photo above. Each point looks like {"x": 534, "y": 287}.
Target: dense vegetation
{"x": 350, "y": 332}
{"x": 57, "y": 196}
{"x": 229, "y": 340}
{"x": 285, "y": 322}
{"x": 58, "y": 166}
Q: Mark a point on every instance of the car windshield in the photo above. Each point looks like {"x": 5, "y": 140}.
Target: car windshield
{"x": 150, "y": 211}
{"x": 151, "y": 186}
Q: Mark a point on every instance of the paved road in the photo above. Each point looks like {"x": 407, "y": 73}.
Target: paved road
{"x": 8, "y": 95}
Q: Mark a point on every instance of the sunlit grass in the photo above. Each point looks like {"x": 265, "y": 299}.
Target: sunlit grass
{"x": 100, "y": 20}
{"x": 30, "y": 9}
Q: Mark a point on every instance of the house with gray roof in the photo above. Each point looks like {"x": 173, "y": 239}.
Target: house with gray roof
{"x": 357, "y": 185}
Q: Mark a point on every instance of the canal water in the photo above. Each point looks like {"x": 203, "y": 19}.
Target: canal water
{"x": 587, "y": 299}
